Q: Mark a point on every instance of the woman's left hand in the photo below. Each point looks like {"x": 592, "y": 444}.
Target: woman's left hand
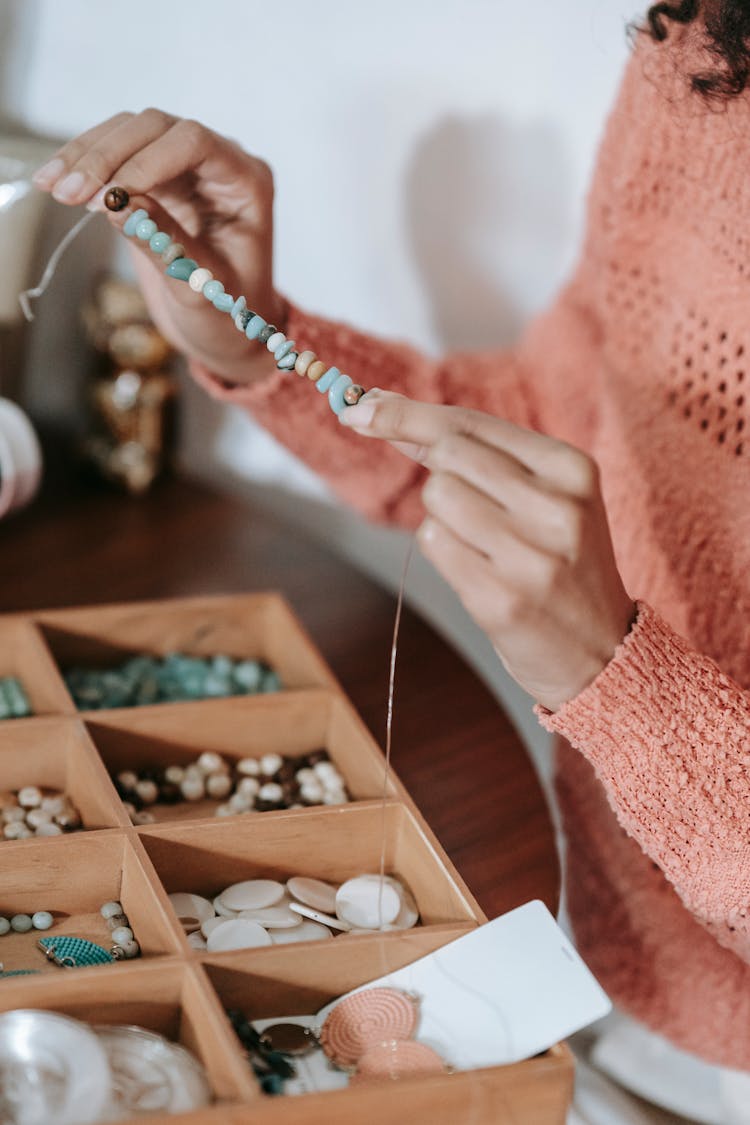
{"x": 516, "y": 524}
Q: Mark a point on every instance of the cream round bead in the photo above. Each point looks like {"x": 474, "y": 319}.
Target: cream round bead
{"x": 316, "y": 370}
{"x": 275, "y": 341}
{"x": 192, "y": 788}
{"x": 218, "y": 785}
{"x": 270, "y": 764}
{"x": 29, "y": 797}
{"x": 210, "y": 762}
{"x": 303, "y": 361}
{"x": 198, "y": 279}
{"x": 122, "y": 935}
{"x": 248, "y": 787}
{"x": 109, "y": 909}
{"x": 42, "y": 920}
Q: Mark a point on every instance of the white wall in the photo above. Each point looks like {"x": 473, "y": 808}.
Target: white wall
{"x": 431, "y": 159}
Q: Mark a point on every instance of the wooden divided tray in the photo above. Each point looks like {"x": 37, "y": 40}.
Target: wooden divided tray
{"x": 172, "y": 988}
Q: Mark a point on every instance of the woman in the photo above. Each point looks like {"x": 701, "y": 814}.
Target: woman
{"x": 623, "y": 407}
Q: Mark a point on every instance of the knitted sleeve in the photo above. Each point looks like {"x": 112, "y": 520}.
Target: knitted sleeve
{"x": 669, "y": 737}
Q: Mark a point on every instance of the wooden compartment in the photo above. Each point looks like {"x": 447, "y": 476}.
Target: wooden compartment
{"x": 289, "y": 723}
{"x": 57, "y": 753}
{"x": 172, "y": 988}
{"x": 277, "y": 982}
{"x": 333, "y": 844}
{"x": 251, "y": 626}
{"x": 169, "y": 998}
{"x": 24, "y": 655}
{"x": 72, "y": 877}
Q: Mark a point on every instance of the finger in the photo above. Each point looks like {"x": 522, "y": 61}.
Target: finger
{"x": 421, "y": 423}
{"x": 100, "y": 163}
{"x": 481, "y": 524}
{"x": 470, "y": 574}
{"x": 543, "y": 516}
{"x": 47, "y": 176}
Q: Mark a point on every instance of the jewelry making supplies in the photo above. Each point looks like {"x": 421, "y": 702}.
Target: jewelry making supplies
{"x": 53, "y": 1070}
{"x": 32, "y": 811}
{"x": 365, "y": 1020}
{"x": 14, "y": 703}
{"x": 124, "y": 947}
{"x": 22, "y": 923}
{"x": 398, "y": 1058}
{"x": 74, "y": 952}
{"x": 341, "y": 391}
{"x": 150, "y": 1074}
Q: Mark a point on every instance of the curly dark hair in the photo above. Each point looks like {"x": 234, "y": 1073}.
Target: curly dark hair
{"x": 727, "y": 28}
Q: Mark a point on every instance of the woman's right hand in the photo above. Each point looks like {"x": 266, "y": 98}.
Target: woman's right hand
{"x": 205, "y": 192}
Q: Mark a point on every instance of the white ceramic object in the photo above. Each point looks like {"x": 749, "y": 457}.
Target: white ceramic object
{"x": 237, "y": 933}
{"x": 307, "y": 931}
{"x": 313, "y": 892}
{"x": 20, "y": 458}
{"x": 253, "y": 894}
{"x": 367, "y": 901}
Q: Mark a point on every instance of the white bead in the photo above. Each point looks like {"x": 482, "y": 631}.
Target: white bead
{"x": 239, "y": 803}
{"x": 335, "y": 797}
{"x": 248, "y": 787}
{"x": 305, "y": 776}
{"x": 270, "y": 764}
{"x": 252, "y": 894}
{"x": 209, "y": 762}
{"x": 275, "y": 341}
{"x": 143, "y": 817}
{"x": 198, "y": 279}
{"x": 271, "y": 791}
{"x": 35, "y": 817}
{"x": 130, "y": 949}
{"x": 16, "y": 830}
{"x": 14, "y": 813}
{"x": 48, "y": 830}
{"x": 193, "y": 772}
{"x": 109, "y": 909}
{"x": 223, "y": 810}
{"x": 218, "y": 785}
{"x": 55, "y": 805}
{"x": 313, "y": 892}
{"x": 20, "y": 923}
{"x": 122, "y": 935}
{"x": 148, "y": 791}
{"x": 192, "y": 788}
{"x": 237, "y": 933}
{"x": 324, "y": 769}
{"x": 42, "y": 920}
{"x": 174, "y": 774}
{"x": 248, "y": 767}
{"x": 29, "y": 797}
{"x": 4, "y": 926}
{"x": 128, "y": 779}
{"x": 313, "y": 794}
{"x": 365, "y": 901}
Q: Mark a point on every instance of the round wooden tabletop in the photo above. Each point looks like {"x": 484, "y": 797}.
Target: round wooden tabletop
{"x": 453, "y": 747}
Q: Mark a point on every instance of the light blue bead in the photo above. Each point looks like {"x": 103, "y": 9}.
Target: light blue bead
{"x": 212, "y": 289}
{"x": 159, "y": 242}
{"x": 283, "y": 349}
{"x": 181, "y": 268}
{"x": 224, "y": 302}
{"x": 287, "y": 362}
{"x": 133, "y": 221}
{"x": 254, "y": 327}
{"x": 239, "y": 306}
{"x": 42, "y": 920}
{"x": 336, "y": 393}
{"x": 327, "y": 379}
{"x": 145, "y": 228}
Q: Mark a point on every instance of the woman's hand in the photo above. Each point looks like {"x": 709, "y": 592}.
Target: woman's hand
{"x": 516, "y": 524}
{"x": 204, "y": 191}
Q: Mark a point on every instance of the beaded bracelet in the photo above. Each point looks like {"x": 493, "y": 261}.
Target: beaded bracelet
{"x": 342, "y": 392}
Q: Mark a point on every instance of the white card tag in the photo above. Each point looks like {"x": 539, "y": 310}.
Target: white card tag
{"x": 504, "y": 992}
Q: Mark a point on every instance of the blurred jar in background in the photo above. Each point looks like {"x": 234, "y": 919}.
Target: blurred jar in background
{"x": 132, "y": 394}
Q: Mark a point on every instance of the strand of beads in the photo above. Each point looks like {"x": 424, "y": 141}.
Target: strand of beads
{"x": 341, "y": 391}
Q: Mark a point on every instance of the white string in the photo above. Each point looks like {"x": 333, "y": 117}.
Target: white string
{"x": 30, "y": 295}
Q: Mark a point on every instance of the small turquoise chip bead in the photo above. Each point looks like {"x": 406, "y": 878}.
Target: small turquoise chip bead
{"x": 145, "y": 228}
{"x": 223, "y": 302}
{"x": 336, "y": 394}
{"x": 254, "y": 327}
{"x": 239, "y": 306}
{"x": 159, "y": 242}
{"x": 326, "y": 381}
{"x": 283, "y": 349}
{"x": 181, "y": 268}
{"x": 212, "y": 289}
{"x": 133, "y": 221}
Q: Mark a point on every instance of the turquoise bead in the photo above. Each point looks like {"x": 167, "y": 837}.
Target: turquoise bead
{"x": 212, "y": 289}
{"x": 159, "y": 242}
{"x": 336, "y": 393}
{"x": 224, "y": 302}
{"x": 283, "y": 350}
{"x": 287, "y": 362}
{"x": 254, "y": 327}
{"x": 145, "y": 228}
{"x": 181, "y": 268}
{"x": 133, "y": 221}
{"x": 327, "y": 379}
{"x": 239, "y": 306}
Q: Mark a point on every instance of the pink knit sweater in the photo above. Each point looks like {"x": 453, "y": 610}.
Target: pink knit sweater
{"x": 644, "y": 362}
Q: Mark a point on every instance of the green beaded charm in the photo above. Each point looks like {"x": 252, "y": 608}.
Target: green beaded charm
{"x": 74, "y": 952}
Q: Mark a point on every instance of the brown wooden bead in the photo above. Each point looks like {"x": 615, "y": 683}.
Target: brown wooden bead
{"x": 116, "y": 198}
{"x": 353, "y": 394}
{"x": 316, "y": 370}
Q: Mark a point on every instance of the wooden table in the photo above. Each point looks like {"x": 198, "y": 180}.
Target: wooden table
{"x": 453, "y": 747}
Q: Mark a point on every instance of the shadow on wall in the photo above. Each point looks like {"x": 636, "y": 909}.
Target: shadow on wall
{"x": 18, "y": 18}
{"x": 486, "y": 217}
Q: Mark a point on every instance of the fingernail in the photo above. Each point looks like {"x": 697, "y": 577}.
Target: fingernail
{"x": 426, "y": 530}
{"x": 69, "y": 188}
{"x": 96, "y": 203}
{"x": 48, "y": 173}
{"x": 359, "y": 416}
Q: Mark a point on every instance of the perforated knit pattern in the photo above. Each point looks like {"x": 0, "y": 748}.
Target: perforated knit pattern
{"x": 644, "y": 362}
